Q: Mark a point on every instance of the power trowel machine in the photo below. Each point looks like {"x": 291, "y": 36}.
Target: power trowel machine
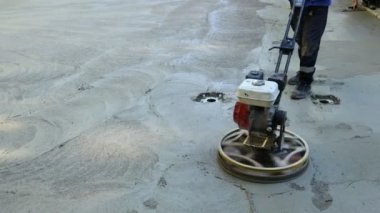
{"x": 261, "y": 149}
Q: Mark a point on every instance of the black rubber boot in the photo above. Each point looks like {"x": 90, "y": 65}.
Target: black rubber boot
{"x": 370, "y": 4}
{"x": 303, "y": 88}
{"x": 295, "y": 79}
{"x": 302, "y": 91}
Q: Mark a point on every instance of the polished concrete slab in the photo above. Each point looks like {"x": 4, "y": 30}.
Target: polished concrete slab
{"x": 98, "y": 113}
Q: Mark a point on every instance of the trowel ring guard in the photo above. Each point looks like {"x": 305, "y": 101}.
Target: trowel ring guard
{"x": 263, "y": 167}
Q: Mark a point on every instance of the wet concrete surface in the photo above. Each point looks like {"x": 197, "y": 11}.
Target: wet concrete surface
{"x": 97, "y": 110}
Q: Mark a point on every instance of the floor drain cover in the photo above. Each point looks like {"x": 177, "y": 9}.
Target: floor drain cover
{"x": 325, "y": 99}
{"x": 209, "y": 97}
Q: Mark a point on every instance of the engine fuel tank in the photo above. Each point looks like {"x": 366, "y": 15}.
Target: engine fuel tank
{"x": 258, "y": 92}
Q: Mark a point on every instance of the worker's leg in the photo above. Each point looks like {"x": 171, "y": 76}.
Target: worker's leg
{"x": 313, "y": 27}
{"x": 295, "y": 79}
{"x": 370, "y": 4}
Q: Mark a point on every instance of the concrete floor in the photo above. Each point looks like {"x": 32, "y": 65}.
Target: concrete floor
{"x": 97, "y": 113}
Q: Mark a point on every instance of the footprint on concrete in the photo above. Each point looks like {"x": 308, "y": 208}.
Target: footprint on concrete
{"x": 325, "y": 80}
{"x": 297, "y": 187}
{"x": 344, "y": 130}
{"x": 321, "y": 198}
{"x": 362, "y": 131}
{"x": 343, "y": 126}
{"x": 320, "y": 79}
{"x": 202, "y": 166}
{"x": 356, "y": 131}
{"x": 151, "y": 203}
{"x": 162, "y": 182}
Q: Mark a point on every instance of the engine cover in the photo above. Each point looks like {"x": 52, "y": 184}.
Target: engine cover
{"x": 260, "y": 93}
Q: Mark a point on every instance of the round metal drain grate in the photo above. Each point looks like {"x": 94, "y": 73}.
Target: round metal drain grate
{"x": 209, "y": 97}
{"x": 325, "y": 99}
